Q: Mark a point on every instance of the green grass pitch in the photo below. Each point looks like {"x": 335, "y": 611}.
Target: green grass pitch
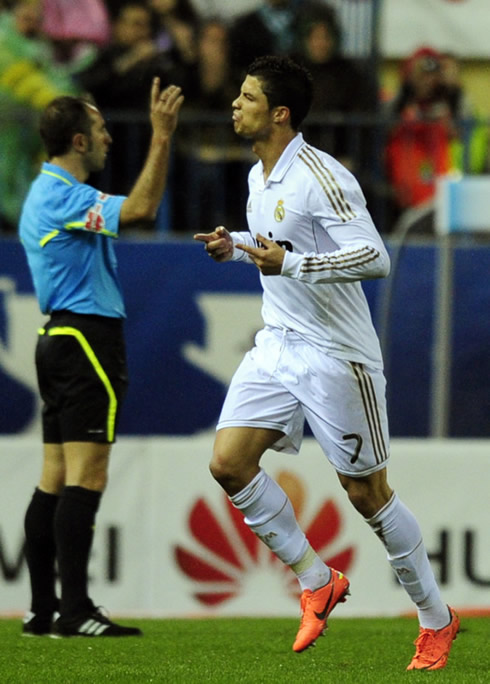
{"x": 241, "y": 651}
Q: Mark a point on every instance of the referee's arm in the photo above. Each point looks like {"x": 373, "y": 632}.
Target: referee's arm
{"x": 144, "y": 199}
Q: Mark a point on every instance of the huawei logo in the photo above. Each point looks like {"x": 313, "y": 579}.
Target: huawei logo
{"x": 227, "y": 560}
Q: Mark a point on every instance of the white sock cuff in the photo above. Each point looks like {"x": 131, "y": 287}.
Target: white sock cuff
{"x": 384, "y": 511}
{"x": 269, "y": 513}
{"x": 251, "y": 492}
{"x": 261, "y": 500}
{"x": 397, "y": 528}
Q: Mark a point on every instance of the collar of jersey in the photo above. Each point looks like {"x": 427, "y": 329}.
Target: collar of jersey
{"x": 56, "y": 171}
{"x": 286, "y": 159}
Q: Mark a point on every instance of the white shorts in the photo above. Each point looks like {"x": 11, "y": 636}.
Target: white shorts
{"x": 284, "y": 380}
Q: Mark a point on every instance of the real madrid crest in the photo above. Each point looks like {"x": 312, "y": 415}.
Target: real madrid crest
{"x": 279, "y": 211}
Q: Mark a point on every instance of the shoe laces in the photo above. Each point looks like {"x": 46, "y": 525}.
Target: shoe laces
{"x": 425, "y": 643}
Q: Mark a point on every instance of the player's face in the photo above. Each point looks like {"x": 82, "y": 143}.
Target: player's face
{"x": 252, "y": 117}
{"x": 99, "y": 142}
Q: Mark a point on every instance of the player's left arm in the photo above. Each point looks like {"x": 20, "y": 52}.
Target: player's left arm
{"x": 358, "y": 250}
{"x": 268, "y": 256}
{"x": 361, "y": 255}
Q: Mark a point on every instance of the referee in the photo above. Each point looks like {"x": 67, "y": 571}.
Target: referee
{"x": 67, "y": 229}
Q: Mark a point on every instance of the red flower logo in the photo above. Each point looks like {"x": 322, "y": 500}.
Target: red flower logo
{"x": 229, "y": 551}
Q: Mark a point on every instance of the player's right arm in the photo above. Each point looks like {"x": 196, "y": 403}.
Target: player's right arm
{"x": 220, "y": 244}
{"x": 145, "y": 197}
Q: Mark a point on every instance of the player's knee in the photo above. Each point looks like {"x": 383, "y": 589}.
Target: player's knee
{"x": 366, "y": 498}
{"x": 227, "y": 473}
{"x": 220, "y": 469}
{"x": 367, "y": 494}
{"x": 361, "y": 502}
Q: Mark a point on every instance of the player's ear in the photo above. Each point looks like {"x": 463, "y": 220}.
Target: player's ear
{"x": 281, "y": 114}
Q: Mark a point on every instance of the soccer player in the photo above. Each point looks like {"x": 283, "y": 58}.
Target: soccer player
{"x": 67, "y": 228}
{"x": 317, "y": 357}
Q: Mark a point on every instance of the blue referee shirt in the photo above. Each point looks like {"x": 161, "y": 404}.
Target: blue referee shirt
{"x": 66, "y": 228}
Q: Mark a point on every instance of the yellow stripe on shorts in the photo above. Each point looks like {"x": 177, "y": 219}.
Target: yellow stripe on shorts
{"x": 91, "y": 356}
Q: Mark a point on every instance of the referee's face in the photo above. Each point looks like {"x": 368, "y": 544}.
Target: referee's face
{"x": 99, "y": 142}
{"x": 252, "y": 117}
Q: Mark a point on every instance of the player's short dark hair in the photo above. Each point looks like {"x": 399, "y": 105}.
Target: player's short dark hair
{"x": 285, "y": 83}
{"x": 63, "y": 118}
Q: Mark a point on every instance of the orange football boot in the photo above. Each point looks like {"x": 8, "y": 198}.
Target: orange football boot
{"x": 432, "y": 646}
{"x": 316, "y": 606}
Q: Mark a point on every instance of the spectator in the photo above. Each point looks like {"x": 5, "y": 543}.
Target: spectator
{"x": 459, "y": 102}
{"x": 273, "y": 28}
{"x": 30, "y": 79}
{"x": 210, "y": 160}
{"x": 339, "y": 87}
{"x": 426, "y": 140}
{"x": 121, "y": 75}
{"x": 119, "y": 81}
{"x": 469, "y": 150}
{"x": 22, "y": 38}
{"x": 213, "y": 81}
{"x": 176, "y": 28}
{"x": 76, "y": 29}
{"x": 418, "y": 147}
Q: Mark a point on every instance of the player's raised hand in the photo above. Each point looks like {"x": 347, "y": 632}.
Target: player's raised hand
{"x": 268, "y": 257}
{"x": 164, "y": 107}
{"x": 218, "y": 244}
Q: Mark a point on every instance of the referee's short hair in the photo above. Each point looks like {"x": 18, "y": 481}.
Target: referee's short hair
{"x": 285, "y": 83}
{"x": 63, "y": 118}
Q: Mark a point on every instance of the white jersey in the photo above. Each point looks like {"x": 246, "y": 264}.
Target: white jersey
{"x": 313, "y": 207}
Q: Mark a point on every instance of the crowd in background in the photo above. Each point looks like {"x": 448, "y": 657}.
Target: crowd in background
{"x": 111, "y": 49}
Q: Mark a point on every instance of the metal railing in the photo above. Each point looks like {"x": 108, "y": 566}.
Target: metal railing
{"x": 208, "y": 175}
{"x": 210, "y": 164}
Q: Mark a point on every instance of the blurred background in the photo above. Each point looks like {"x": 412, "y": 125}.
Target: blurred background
{"x": 401, "y": 98}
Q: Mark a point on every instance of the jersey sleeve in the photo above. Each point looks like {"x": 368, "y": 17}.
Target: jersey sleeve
{"x": 244, "y": 238}
{"x": 84, "y": 208}
{"x": 338, "y": 207}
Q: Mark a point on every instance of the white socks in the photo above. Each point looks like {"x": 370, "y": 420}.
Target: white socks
{"x": 269, "y": 513}
{"x": 311, "y": 571}
{"x": 400, "y": 533}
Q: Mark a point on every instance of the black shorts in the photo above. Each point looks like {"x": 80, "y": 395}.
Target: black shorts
{"x": 82, "y": 376}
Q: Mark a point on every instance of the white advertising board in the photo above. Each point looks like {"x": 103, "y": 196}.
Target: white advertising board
{"x": 168, "y": 544}
{"x": 458, "y": 26}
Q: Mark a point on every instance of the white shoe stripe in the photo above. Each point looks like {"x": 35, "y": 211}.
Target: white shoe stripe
{"x": 92, "y": 627}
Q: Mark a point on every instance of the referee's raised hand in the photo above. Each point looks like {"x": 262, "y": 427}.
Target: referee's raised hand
{"x": 144, "y": 199}
{"x": 164, "y": 107}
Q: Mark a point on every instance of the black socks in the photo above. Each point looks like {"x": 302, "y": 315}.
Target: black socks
{"x": 74, "y": 530}
{"x": 40, "y": 551}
